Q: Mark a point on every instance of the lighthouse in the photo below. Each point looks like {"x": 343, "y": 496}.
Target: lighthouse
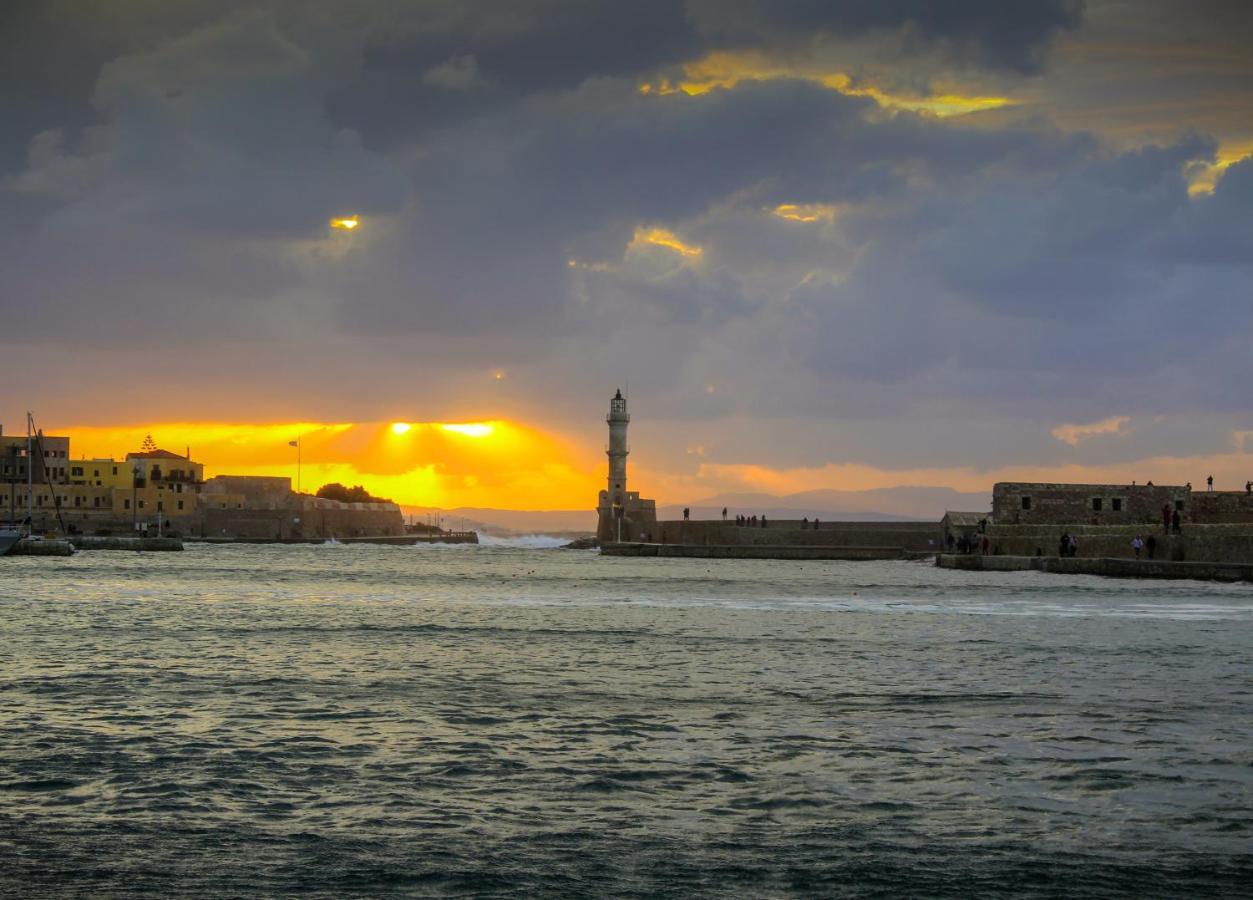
{"x": 622, "y": 515}
{"x": 618, "y": 420}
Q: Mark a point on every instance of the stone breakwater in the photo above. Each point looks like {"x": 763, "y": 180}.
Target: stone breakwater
{"x": 751, "y": 551}
{"x": 1106, "y": 566}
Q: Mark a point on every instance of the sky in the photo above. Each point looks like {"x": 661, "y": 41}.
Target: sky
{"x": 841, "y": 245}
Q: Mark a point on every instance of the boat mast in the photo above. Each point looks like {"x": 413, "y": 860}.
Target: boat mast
{"x": 30, "y": 478}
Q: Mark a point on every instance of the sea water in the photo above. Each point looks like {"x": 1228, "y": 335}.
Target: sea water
{"x": 350, "y": 720}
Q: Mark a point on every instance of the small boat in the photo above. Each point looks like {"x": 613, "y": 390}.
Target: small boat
{"x": 8, "y": 537}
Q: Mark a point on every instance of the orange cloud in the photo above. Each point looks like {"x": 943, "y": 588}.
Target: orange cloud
{"x": 1230, "y": 470}
{"x": 661, "y": 237}
{"x": 1074, "y": 434}
{"x": 725, "y": 69}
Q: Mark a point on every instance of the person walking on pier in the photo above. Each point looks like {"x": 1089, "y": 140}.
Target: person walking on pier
{"x": 1209, "y": 485}
{"x": 724, "y": 513}
{"x": 1137, "y": 545}
{"x": 687, "y": 514}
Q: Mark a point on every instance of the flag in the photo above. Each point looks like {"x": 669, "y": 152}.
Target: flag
{"x": 293, "y": 444}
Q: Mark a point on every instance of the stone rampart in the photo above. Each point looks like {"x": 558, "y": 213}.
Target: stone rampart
{"x": 1226, "y": 543}
{"x": 916, "y": 536}
{"x": 1112, "y": 568}
{"x": 1023, "y": 503}
{"x": 1222, "y": 506}
{"x": 751, "y": 551}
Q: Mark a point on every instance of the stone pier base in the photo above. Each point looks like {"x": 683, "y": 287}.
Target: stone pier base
{"x": 1108, "y": 566}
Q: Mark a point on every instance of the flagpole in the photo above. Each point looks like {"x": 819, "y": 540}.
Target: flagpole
{"x": 296, "y": 444}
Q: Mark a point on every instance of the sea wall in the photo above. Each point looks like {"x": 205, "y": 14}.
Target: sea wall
{"x": 1222, "y": 506}
{"x": 1113, "y": 568}
{"x": 750, "y": 551}
{"x": 283, "y": 524}
{"x": 91, "y": 542}
{"x": 916, "y": 536}
{"x": 1227, "y": 543}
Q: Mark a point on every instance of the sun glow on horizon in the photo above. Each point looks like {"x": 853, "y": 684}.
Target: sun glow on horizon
{"x": 348, "y": 223}
{"x": 469, "y": 429}
{"x": 492, "y": 463}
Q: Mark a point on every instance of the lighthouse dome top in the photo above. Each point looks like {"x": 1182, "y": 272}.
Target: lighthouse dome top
{"x": 617, "y": 405}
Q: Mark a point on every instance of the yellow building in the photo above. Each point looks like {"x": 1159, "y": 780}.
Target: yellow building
{"x": 100, "y": 473}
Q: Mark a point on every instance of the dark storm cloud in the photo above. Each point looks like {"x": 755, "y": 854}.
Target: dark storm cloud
{"x": 995, "y": 33}
{"x": 171, "y": 168}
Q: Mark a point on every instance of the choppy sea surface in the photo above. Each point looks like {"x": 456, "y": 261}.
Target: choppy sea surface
{"x": 517, "y": 720}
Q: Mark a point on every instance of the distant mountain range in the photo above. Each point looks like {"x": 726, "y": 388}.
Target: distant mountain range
{"x": 879, "y": 505}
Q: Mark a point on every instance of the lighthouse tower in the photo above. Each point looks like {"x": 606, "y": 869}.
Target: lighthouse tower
{"x": 618, "y": 420}
{"x": 622, "y": 515}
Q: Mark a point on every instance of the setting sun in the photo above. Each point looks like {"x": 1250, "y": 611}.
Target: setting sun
{"x": 470, "y": 429}
{"x": 347, "y": 223}
{"x": 401, "y": 427}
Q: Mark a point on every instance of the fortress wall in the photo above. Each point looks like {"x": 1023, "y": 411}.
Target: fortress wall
{"x": 1222, "y": 506}
{"x": 920, "y": 536}
{"x": 1049, "y": 503}
{"x": 1197, "y": 543}
{"x": 1115, "y": 568}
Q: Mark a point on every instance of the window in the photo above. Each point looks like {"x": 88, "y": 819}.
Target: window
{"x": 141, "y": 504}
{"x": 77, "y": 470}
{"x": 1116, "y": 504}
{"x": 1096, "y": 504}
{"x": 180, "y": 504}
{"x": 1026, "y": 503}
{"x": 78, "y": 501}
{"x": 126, "y": 504}
{"x": 115, "y": 470}
{"x": 95, "y": 473}
{"x": 95, "y": 501}
{"x": 160, "y": 506}
{"x": 1179, "y": 505}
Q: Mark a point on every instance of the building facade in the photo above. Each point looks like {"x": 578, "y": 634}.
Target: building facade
{"x": 156, "y": 490}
